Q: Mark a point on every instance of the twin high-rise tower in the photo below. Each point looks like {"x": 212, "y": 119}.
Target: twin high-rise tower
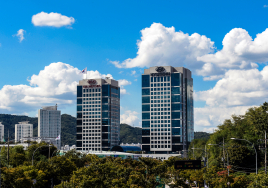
{"x": 167, "y": 111}
{"x": 98, "y": 114}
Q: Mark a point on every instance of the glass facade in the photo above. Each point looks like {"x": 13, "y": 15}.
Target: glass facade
{"x": 163, "y": 109}
{"x": 98, "y": 115}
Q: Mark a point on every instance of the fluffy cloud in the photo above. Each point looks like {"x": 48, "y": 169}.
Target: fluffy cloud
{"x": 130, "y": 118}
{"x": 208, "y": 118}
{"x": 20, "y": 34}
{"x": 133, "y": 72}
{"x": 237, "y": 91}
{"x": 161, "y": 45}
{"x": 123, "y": 83}
{"x": 239, "y": 51}
{"x": 96, "y": 74}
{"x": 52, "y": 19}
{"x": 56, "y": 84}
{"x": 238, "y": 88}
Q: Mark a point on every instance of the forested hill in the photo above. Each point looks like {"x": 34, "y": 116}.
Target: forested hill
{"x": 128, "y": 134}
{"x": 9, "y": 122}
{"x": 68, "y": 126}
{"x": 201, "y": 135}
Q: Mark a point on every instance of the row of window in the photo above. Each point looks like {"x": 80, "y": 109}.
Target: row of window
{"x": 160, "y": 133}
{"x": 161, "y": 97}
{"x": 160, "y": 89}
{"x": 91, "y": 90}
{"x": 160, "y": 79}
{"x": 162, "y": 138}
{"x": 91, "y": 109}
{"x": 158, "y": 113}
{"x": 163, "y": 125}
{"x": 92, "y": 95}
{"x": 160, "y": 101}
{"x": 91, "y": 136}
{"x": 94, "y": 99}
{"x": 160, "y": 85}
{"x": 92, "y": 149}
{"x": 168, "y": 129}
{"x": 160, "y": 142}
{"x": 160, "y": 117}
{"x": 160, "y": 146}
{"x": 89, "y": 120}
{"x": 86, "y": 131}
{"x": 160, "y": 109}
{"x": 86, "y": 113}
{"x": 90, "y": 106}
{"x": 91, "y": 127}
{"x": 91, "y": 141}
{"x": 161, "y": 93}
{"x": 162, "y": 121}
{"x": 89, "y": 145}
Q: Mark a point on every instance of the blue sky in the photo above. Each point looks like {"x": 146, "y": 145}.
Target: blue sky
{"x": 44, "y": 46}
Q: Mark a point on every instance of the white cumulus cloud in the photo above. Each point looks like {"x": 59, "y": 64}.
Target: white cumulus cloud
{"x": 208, "y": 118}
{"x": 96, "y": 74}
{"x": 161, "y": 45}
{"x": 238, "y": 88}
{"x": 20, "y": 34}
{"x": 237, "y": 91}
{"x": 130, "y": 118}
{"x": 55, "y": 84}
{"x": 52, "y": 19}
{"x": 122, "y": 83}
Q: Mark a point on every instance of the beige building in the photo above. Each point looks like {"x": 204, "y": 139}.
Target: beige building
{"x": 49, "y": 124}
{"x": 1, "y": 132}
{"x": 23, "y": 130}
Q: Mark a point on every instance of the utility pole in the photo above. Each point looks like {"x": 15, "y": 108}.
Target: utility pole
{"x": 193, "y": 153}
{"x": 265, "y": 154}
{"x": 49, "y": 150}
{"x": 8, "y": 147}
{"x": 223, "y": 152}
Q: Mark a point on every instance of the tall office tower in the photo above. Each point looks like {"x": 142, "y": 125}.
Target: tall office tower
{"x": 23, "y": 130}
{"x": 98, "y": 114}
{"x": 49, "y": 124}
{"x": 2, "y": 132}
{"x": 167, "y": 109}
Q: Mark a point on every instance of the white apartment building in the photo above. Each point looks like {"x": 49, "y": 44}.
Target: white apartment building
{"x": 23, "y": 130}
{"x": 49, "y": 124}
{"x": 1, "y": 132}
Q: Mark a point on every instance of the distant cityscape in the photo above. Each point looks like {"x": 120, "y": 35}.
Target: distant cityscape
{"x": 167, "y": 114}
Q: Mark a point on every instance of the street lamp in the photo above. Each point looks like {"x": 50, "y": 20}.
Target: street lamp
{"x": 254, "y": 149}
{"x": 37, "y": 149}
{"x": 224, "y": 157}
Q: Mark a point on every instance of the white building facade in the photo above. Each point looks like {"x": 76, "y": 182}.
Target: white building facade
{"x": 167, "y": 110}
{"x": 49, "y": 124}
{"x": 98, "y": 114}
{"x": 2, "y": 128}
{"x": 23, "y": 130}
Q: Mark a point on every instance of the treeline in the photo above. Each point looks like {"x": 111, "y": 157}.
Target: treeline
{"x": 128, "y": 134}
{"x": 43, "y": 168}
{"x": 234, "y": 146}
{"x": 68, "y": 127}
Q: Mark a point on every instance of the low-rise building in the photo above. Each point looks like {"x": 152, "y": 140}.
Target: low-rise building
{"x": 23, "y": 130}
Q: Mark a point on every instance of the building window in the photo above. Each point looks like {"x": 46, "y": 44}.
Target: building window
{"x": 145, "y": 81}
